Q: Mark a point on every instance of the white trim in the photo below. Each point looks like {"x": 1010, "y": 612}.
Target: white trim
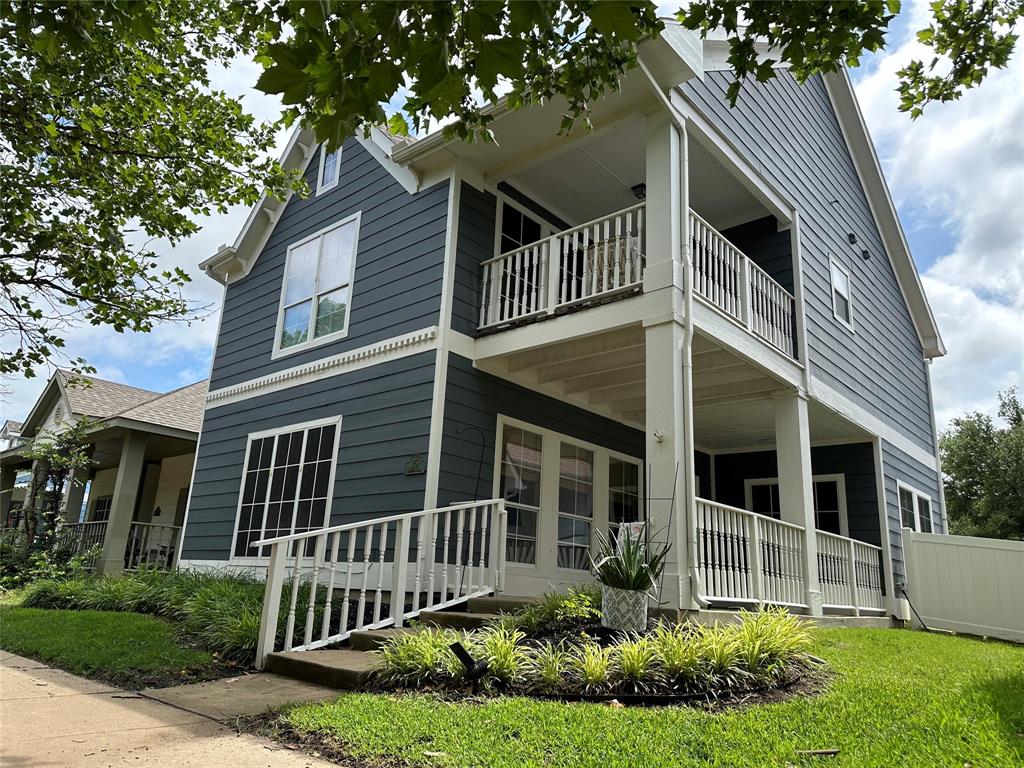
{"x": 916, "y": 494}
{"x": 836, "y": 401}
{"x": 312, "y": 341}
{"x": 259, "y": 435}
{"x": 384, "y": 351}
{"x": 839, "y": 478}
{"x": 832, "y": 266}
{"x": 547, "y": 228}
{"x": 893, "y": 603}
{"x": 320, "y": 186}
{"x": 440, "y": 389}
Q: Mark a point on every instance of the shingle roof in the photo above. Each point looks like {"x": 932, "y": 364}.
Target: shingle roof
{"x": 99, "y": 398}
{"x": 179, "y": 409}
{"x": 12, "y": 426}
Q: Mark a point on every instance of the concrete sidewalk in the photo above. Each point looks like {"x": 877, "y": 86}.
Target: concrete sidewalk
{"x": 51, "y": 718}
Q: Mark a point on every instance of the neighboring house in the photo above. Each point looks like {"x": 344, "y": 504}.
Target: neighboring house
{"x": 131, "y": 501}
{"x": 700, "y": 316}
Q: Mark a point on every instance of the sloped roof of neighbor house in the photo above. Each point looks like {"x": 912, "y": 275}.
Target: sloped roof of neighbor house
{"x": 179, "y": 409}
{"x": 99, "y": 398}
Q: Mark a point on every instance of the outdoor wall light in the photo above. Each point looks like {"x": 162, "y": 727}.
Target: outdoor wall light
{"x": 639, "y": 191}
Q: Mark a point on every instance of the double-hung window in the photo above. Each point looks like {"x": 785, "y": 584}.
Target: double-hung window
{"x": 317, "y": 292}
{"x": 329, "y": 163}
{"x": 575, "y": 506}
{"x": 286, "y": 485}
{"x": 101, "y": 509}
{"x": 915, "y": 509}
{"x": 842, "y": 295}
{"x": 762, "y": 496}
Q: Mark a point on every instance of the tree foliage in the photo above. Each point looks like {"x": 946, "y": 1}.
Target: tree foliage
{"x": 111, "y": 137}
{"x": 983, "y": 465}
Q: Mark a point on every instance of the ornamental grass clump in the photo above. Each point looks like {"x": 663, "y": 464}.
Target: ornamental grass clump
{"x": 502, "y": 649}
{"x": 420, "y": 658}
{"x": 547, "y": 667}
{"x": 592, "y": 665}
{"x": 768, "y": 641}
{"x": 637, "y": 664}
{"x": 678, "y": 650}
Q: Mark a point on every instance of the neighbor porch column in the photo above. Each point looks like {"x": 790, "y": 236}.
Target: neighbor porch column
{"x": 796, "y": 492}
{"x": 122, "y": 506}
{"x": 8, "y": 476}
{"x": 75, "y": 495}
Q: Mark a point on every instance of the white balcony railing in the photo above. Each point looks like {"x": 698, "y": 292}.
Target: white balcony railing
{"x": 594, "y": 260}
{"x": 744, "y": 557}
{"x": 727, "y": 279}
{"x": 151, "y": 544}
{"x": 382, "y": 572}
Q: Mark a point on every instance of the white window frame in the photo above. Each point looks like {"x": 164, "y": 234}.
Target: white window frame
{"x": 320, "y": 186}
{"x": 250, "y": 439}
{"x": 547, "y": 228}
{"x": 311, "y": 342}
{"x": 835, "y": 265}
{"x": 839, "y": 479}
{"x": 550, "y": 456}
{"x": 916, "y": 494}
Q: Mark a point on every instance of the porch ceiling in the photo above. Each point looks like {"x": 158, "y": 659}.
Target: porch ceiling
{"x": 605, "y": 373}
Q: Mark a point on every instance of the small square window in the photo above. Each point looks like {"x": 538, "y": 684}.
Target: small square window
{"x": 842, "y": 295}
{"x": 915, "y": 509}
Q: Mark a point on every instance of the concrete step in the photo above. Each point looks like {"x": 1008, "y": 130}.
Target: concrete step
{"x": 456, "y": 619}
{"x": 345, "y": 669}
{"x": 501, "y": 604}
{"x": 372, "y": 639}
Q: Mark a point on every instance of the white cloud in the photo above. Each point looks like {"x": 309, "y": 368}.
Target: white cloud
{"x": 960, "y": 168}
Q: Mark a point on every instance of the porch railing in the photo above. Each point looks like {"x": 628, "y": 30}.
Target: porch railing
{"x": 744, "y": 557}
{"x": 849, "y": 573}
{"x": 601, "y": 258}
{"x": 84, "y": 537}
{"x": 151, "y": 544}
{"x": 725, "y": 277}
{"x": 382, "y": 571}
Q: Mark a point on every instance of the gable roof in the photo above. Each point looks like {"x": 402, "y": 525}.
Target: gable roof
{"x": 179, "y": 409}
{"x": 99, "y": 398}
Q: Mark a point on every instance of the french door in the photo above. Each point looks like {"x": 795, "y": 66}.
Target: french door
{"x": 558, "y": 492}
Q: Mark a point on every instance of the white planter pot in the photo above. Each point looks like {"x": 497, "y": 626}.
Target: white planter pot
{"x": 624, "y": 609}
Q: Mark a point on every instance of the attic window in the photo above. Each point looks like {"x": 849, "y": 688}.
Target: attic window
{"x": 842, "y": 295}
{"x": 329, "y": 162}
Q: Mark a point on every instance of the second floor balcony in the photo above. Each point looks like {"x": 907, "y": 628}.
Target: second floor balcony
{"x": 603, "y": 260}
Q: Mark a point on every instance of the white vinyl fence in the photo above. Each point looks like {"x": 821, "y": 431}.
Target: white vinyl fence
{"x": 966, "y": 584}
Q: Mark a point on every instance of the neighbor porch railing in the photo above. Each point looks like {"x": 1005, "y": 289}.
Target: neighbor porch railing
{"x": 744, "y": 557}
{"x": 601, "y": 258}
{"x": 725, "y": 277}
{"x": 381, "y": 571}
{"x": 151, "y": 544}
{"x": 84, "y": 537}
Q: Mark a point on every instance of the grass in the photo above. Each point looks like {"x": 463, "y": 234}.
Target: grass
{"x": 126, "y": 649}
{"x": 898, "y": 698}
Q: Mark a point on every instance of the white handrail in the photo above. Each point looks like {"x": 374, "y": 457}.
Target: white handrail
{"x": 391, "y": 567}
{"x": 849, "y": 573}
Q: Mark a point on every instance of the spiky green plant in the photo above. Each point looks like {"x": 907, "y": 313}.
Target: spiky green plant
{"x": 637, "y": 663}
{"x": 501, "y": 647}
{"x": 769, "y": 641}
{"x": 593, "y": 666}
{"x": 548, "y": 665}
{"x": 679, "y": 653}
{"x": 420, "y": 657}
{"x": 628, "y": 562}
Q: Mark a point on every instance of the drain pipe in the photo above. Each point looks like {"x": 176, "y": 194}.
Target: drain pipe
{"x": 689, "y": 478}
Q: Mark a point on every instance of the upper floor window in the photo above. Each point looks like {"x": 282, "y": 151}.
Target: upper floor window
{"x": 762, "y": 496}
{"x": 317, "y": 290}
{"x": 329, "y": 162}
{"x": 915, "y": 509}
{"x": 517, "y": 228}
{"x": 842, "y": 300}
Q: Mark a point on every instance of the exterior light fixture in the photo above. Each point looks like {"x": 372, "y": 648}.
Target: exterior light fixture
{"x": 474, "y": 669}
{"x": 639, "y": 191}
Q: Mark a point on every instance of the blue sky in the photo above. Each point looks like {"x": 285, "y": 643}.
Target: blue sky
{"x": 956, "y": 175}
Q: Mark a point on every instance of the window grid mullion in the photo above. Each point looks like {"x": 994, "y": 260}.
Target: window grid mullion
{"x": 270, "y": 482}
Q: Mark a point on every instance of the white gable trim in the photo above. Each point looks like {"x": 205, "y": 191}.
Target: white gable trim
{"x": 233, "y": 262}
{"x": 869, "y": 171}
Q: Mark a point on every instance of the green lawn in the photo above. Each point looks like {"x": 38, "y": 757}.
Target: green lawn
{"x": 126, "y": 649}
{"x": 899, "y": 698}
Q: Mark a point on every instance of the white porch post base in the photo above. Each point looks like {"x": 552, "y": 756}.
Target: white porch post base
{"x": 796, "y": 493}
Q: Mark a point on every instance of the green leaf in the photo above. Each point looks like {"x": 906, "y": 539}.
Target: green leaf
{"x": 614, "y": 18}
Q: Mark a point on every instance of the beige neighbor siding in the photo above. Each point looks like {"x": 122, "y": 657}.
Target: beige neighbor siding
{"x": 967, "y": 584}
{"x": 175, "y": 474}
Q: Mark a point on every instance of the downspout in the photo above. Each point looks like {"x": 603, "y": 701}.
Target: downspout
{"x": 689, "y": 478}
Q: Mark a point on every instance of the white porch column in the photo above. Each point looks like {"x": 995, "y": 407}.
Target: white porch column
{"x": 75, "y": 495}
{"x": 8, "y": 476}
{"x": 668, "y": 465}
{"x": 796, "y": 493}
{"x": 122, "y": 507}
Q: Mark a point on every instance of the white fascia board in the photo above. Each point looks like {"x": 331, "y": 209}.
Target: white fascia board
{"x": 869, "y": 170}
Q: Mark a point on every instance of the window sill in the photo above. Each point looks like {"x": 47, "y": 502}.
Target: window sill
{"x": 293, "y": 350}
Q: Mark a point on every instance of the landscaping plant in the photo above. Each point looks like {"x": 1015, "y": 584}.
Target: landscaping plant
{"x": 628, "y": 569}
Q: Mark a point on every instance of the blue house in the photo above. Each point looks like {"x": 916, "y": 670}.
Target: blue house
{"x": 484, "y": 355}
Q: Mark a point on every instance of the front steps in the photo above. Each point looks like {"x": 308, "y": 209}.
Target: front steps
{"x": 352, "y": 668}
